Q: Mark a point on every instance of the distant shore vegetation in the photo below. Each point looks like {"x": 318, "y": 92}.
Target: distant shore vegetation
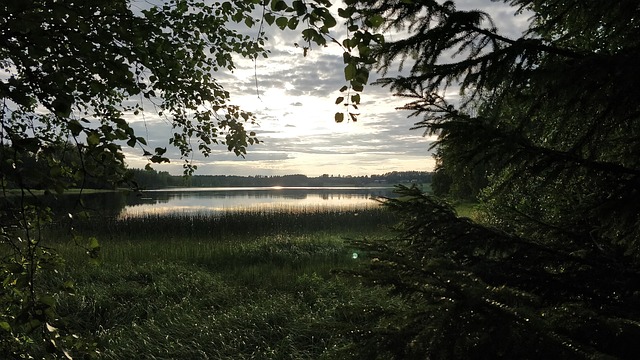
{"x": 152, "y": 179}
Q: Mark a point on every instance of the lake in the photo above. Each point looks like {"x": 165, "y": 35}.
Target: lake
{"x": 218, "y": 200}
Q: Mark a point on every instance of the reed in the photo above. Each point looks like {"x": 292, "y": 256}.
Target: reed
{"x": 245, "y": 223}
{"x": 245, "y": 284}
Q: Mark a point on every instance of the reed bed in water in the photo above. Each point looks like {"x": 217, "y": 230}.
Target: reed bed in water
{"x": 248, "y": 243}
{"x": 237, "y": 224}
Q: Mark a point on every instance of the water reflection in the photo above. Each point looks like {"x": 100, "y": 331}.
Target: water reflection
{"x": 216, "y": 200}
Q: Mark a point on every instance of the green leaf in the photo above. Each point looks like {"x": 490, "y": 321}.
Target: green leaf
{"x": 309, "y": 34}
{"x": 362, "y": 75}
{"x": 350, "y": 71}
{"x": 269, "y": 18}
{"x": 93, "y": 243}
{"x": 293, "y": 23}
{"x": 278, "y": 5}
{"x": 347, "y": 12}
{"x": 55, "y": 171}
{"x": 158, "y": 159}
{"x": 5, "y": 326}
{"x": 339, "y": 99}
{"x": 47, "y": 300}
{"x": 62, "y": 106}
{"x": 339, "y": 117}
{"x": 299, "y": 7}
{"x": 75, "y": 127}
{"x": 282, "y": 22}
{"x": 69, "y": 285}
{"x": 93, "y": 139}
{"x": 376, "y": 20}
{"x": 329, "y": 20}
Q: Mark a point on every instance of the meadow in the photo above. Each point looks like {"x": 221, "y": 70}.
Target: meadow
{"x": 241, "y": 285}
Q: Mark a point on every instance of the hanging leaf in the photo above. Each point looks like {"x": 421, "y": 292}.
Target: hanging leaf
{"x": 375, "y": 20}
{"x": 299, "y": 7}
{"x": 349, "y": 71}
{"x": 279, "y": 5}
{"x": 293, "y": 23}
{"x": 93, "y": 139}
{"x": 282, "y": 22}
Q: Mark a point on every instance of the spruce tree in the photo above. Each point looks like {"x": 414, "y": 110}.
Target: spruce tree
{"x": 551, "y": 268}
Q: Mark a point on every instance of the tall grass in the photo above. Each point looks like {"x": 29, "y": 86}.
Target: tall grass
{"x": 285, "y": 237}
{"x": 242, "y": 285}
{"x": 243, "y": 223}
{"x": 165, "y": 310}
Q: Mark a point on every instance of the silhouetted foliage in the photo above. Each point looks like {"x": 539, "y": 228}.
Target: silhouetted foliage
{"x": 72, "y": 73}
{"x": 78, "y": 71}
{"x": 151, "y": 179}
{"x": 551, "y": 267}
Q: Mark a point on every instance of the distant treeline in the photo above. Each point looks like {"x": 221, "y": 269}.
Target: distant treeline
{"x": 151, "y": 179}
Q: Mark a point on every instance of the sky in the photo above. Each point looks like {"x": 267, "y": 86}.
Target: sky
{"x": 295, "y": 110}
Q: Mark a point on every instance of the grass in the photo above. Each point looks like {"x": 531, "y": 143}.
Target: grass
{"x": 243, "y": 224}
{"x": 246, "y": 285}
{"x": 170, "y": 310}
{"x": 303, "y": 241}
{"x": 467, "y": 209}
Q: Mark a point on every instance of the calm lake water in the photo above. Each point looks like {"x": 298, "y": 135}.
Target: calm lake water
{"x": 217, "y": 200}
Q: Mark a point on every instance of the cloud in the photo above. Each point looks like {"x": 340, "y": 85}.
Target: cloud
{"x": 293, "y": 98}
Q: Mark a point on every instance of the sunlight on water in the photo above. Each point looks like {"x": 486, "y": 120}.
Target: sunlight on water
{"x": 218, "y": 200}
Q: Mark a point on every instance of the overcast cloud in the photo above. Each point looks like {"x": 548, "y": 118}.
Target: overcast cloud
{"x": 295, "y": 110}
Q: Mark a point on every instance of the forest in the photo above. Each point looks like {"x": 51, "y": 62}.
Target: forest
{"x": 151, "y": 179}
{"x": 543, "y": 133}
